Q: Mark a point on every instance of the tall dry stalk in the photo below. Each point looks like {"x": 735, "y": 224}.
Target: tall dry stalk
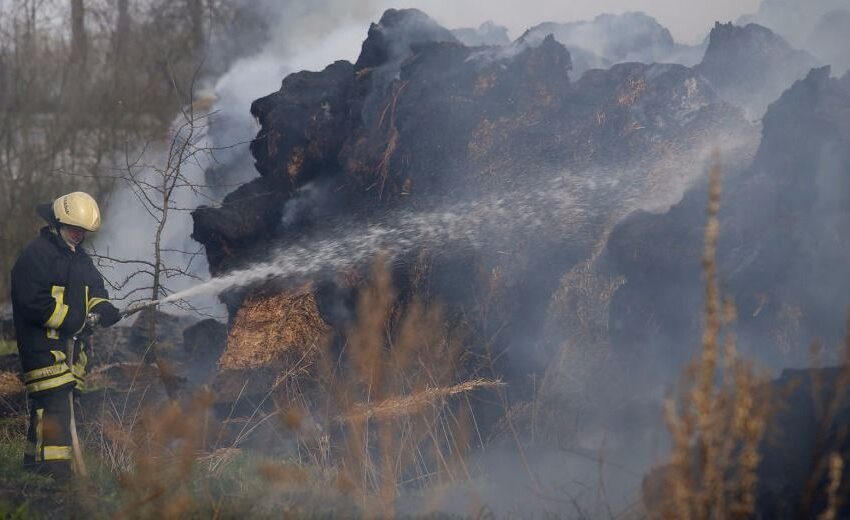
{"x": 836, "y": 467}
{"x": 830, "y": 401}
{"x": 719, "y": 420}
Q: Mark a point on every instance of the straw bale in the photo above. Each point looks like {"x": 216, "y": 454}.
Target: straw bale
{"x": 267, "y": 327}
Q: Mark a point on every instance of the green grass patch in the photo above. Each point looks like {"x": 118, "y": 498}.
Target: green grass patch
{"x": 238, "y": 485}
{"x": 16, "y": 512}
{"x": 8, "y": 346}
{"x": 12, "y": 442}
{"x": 19, "y": 489}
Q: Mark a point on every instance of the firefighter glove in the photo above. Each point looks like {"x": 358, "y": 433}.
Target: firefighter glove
{"x": 107, "y": 314}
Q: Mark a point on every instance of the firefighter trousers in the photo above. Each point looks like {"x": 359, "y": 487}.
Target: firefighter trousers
{"x": 48, "y": 448}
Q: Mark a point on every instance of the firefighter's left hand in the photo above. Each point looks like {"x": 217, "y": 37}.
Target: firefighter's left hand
{"x": 92, "y": 320}
{"x": 107, "y": 314}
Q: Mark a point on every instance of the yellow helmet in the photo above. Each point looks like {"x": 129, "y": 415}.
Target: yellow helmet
{"x": 77, "y": 209}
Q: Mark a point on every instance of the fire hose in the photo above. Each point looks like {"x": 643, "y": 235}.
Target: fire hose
{"x": 92, "y": 320}
{"x": 76, "y": 448}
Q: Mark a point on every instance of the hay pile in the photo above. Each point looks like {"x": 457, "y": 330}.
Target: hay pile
{"x": 270, "y": 326}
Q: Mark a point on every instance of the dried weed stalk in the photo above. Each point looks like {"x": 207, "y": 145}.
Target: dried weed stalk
{"x": 408, "y": 404}
{"x": 720, "y": 419}
{"x": 827, "y": 486}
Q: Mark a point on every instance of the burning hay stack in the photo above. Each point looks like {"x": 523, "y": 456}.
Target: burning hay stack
{"x": 420, "y": 117}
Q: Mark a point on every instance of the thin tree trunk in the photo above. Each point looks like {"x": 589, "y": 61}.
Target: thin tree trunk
{"x": 70, "y": 118}
{"x": 196, "y": 19}
{"x": 78, "y": 32}
{"x": 169, "y": 378}
{"x": 122, "y": 32}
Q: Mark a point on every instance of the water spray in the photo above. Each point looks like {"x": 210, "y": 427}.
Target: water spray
{"x": 571, "y": 205}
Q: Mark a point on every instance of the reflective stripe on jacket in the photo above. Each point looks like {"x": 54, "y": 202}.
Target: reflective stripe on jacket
{"x": 53, "y": 288}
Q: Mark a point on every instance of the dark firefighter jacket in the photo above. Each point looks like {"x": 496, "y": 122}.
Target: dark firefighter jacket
{"x": 53, "y": 289}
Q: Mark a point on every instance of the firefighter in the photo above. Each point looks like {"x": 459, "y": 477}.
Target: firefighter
{"x": 57, "y": 296}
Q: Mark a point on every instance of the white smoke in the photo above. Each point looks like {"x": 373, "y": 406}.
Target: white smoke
{"x": 302, "y": 38}
{"x": 126, "y": 247}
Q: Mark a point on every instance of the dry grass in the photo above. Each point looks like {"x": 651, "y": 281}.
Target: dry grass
{"x": 165, "y": 448}
{"x": 719, "y": 420}
{"x": 579, "y": 314}
{"x": 410, "y": 404}
{"x": 830, "y": 401}
{"x": 10, "y": 384}
{"x": 836, "y": 467}
{"x": 382, "y": 170}
{"x": 399, "y": 367}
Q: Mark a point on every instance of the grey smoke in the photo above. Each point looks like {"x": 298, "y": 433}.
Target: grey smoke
{"x": 751, "y": 66}
{"x": 306, "y": 204}
{"x": 488, "y": 33}
{"x": 818, "y": 26}
{"x": 688, "y": 20}
{"x": 610, "y": 39}
{"x": 303, "y": 35}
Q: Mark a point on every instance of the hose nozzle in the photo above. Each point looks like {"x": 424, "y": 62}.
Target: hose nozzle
{"x": 136, "y": 307}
